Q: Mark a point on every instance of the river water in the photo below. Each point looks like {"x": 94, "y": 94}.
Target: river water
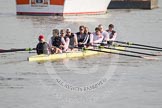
{"x": 103, "y": 81}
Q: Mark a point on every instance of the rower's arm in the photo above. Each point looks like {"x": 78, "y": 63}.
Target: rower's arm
{"x": 75, "y": 40}
{"x": 106, "y": 36}
{"x": 63, "y": 40}
{"x": 67, "y": 41}
{"x": 98, "y": 40}
{"x": 86, "y": 39}
{"x": 91, "y": 39}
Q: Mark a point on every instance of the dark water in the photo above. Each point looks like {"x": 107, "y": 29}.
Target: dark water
{"x": 95, "y": 82}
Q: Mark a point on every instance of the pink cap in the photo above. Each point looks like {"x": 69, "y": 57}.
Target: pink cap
{"x": 41, "y": 37}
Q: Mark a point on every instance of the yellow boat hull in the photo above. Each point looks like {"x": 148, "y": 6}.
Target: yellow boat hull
{"x": 77, "y": 54}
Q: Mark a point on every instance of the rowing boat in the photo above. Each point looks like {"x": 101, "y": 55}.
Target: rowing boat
{"x": 77, "y": 54}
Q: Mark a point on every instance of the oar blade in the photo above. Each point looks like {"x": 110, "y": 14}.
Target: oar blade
{"x": 150, "y": 58}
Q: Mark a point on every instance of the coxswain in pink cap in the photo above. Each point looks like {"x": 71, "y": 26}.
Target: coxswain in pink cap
{"x": 42, "y": 47}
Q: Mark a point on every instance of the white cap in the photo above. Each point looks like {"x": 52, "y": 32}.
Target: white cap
{"x": 68, "y": 29}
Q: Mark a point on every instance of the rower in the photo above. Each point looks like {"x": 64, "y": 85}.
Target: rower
{"x": 104, "y": 33}
{"x": 81, "y": 37}
{"x": 64, "y": 40}
{"x": 42, "y": 47}
{"x": 73, "y": 39}
{"x": 55, "y": 32}
{"x": 89, "y": 35}
{"x": 55, "y": 42}
{"x": 112, "y": 33}
{"x": 97, "y": 36}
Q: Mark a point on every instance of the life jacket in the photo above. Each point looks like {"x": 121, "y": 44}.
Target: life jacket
{"x": 80, "y": 37}
{"x": 71, "y": 43}
{"x": 42, "y": 48}
{"x": 56, "y": 41}
{"x": 83, "y": 37}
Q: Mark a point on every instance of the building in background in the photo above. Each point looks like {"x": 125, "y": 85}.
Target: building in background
{"x": 61, "y": 7}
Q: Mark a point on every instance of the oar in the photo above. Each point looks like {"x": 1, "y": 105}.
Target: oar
{"x": 130, "y": 51}
{"x": 138, "y": 47}
{"x": 130, "y": 55}
{"x": 130, "y": 43}
{"x": 14, "y": 50}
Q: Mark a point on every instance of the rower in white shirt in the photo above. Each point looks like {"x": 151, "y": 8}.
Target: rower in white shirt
{"x": 97, "y": 36}
{"x": 112, "y": 33}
